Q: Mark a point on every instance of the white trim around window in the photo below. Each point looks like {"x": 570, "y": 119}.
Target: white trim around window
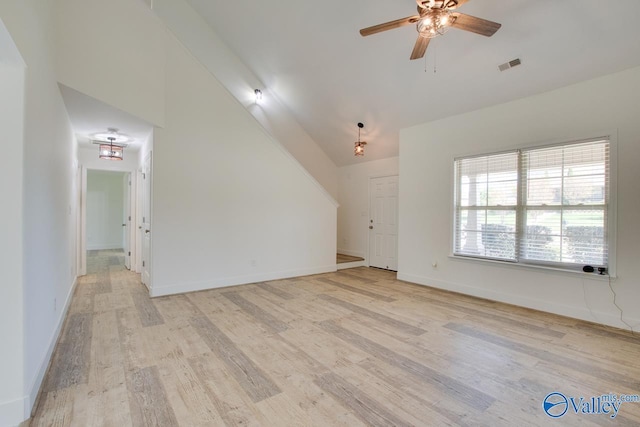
{"x": 549, "y": 206}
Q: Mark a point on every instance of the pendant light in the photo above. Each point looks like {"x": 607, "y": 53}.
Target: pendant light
{"x": 359, "y": 147}
{"x": 110, "y": 151}
{"x": 111, "y": 144}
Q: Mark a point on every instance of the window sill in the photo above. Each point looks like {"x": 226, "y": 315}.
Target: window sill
{"x": 533, "y": 267}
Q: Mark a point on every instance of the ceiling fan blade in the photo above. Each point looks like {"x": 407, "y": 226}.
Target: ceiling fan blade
{"x": 474, "y": 24}
{"x": 420, "y": 48}
{"x": 389, "y": 25}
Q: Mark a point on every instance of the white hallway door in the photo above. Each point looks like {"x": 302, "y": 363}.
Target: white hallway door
{"x": 126, "y": 219}
{"x": 146, "y": 221}
{"x": 383, "y": 222}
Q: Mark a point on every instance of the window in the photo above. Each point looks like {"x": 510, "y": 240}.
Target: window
{"x": 547, "y": 205}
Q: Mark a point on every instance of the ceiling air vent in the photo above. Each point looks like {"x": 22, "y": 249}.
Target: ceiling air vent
{"x": 510, "y": 64}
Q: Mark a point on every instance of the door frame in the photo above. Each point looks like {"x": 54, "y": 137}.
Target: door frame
{"x": 82, "y": 221}
{"x": 82, "y": 215}
{"x": 146, "y": 203}
{"x": 129, "y": 219}
{"x": 138, "y": 221}
{"x": 369, "y": 179}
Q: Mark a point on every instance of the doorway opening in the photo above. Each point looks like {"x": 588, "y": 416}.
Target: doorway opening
{"x": 107, "y": 219}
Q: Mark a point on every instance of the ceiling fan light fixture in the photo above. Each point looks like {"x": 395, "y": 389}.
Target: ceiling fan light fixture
{"x": 434, "y": 23}
{"x": 434, "y": 18}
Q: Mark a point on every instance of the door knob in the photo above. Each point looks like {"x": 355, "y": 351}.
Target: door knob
{"x": 147, "y": 231}
{"x": 371, "y": 227}
{"x": 124, "y": 225}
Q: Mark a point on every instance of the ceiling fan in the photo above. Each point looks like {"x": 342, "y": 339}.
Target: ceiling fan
{"x": 434, "y": 18}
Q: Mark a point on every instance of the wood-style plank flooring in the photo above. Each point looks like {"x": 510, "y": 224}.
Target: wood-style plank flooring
{"x": 342, "y": 258}
{"x": 351, "y": 348}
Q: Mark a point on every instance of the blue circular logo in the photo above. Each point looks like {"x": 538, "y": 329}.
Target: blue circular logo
{"x": 555, "y": 404}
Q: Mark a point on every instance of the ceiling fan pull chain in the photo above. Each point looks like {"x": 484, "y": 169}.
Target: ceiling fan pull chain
{"x": 435, "y": 58}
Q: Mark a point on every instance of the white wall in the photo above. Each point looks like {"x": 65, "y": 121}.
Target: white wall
{"x": 202, "y": 41}
{"x": 112, "y": 51}
{"x": 11, "y": 242}
{"x": 126, "y": 68}
{"x": 606, "y": 104}
{"x": 353, "y": 197}
{"x": 230, "y": 205}
{"x": 105, "y": 210}
{"x": 48, "y": 197}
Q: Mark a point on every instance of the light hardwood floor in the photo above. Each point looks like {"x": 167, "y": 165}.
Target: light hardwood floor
{"x": 351, "y": 348}
{"x": 342, "y": 258}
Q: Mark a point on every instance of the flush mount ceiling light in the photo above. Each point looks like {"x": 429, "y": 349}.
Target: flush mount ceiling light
{"x": 359, "y": 147}
{"x": 111, "y": 144}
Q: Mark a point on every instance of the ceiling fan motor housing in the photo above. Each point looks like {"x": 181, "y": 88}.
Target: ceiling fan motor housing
{"x": 439, "y": 4}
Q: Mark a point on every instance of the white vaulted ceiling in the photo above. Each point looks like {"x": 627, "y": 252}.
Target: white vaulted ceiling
{"x": 89, "y": 116}
{"x": 311, "y": 56}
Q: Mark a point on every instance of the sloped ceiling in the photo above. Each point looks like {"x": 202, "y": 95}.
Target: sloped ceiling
{"x": 310, "y": 54}
{"x": 89, "y": 116}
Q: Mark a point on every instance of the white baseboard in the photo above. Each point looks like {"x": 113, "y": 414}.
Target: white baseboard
{"x": 36, "y": 384}
{"x": 12, "y": 412}
{"x": 576, "y": 312}
{"x": 345, "y": 265}
{"x": 180, "y": 288}
{"x": 351, "y": 253}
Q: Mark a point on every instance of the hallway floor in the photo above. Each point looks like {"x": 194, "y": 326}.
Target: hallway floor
{"x": 342, "y": 258}
{"x": 99, "y": 260}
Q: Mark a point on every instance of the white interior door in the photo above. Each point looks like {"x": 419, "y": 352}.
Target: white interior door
{"x": 82, "y": 221}
{"x": 126, "y": 219}
{"x": 383, "y": 222}
{"x": 139, "y": 212}
{"x": 146, "y": 221}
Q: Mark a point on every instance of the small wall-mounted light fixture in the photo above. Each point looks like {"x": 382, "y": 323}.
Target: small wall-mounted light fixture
{"x": 258, "y": 93}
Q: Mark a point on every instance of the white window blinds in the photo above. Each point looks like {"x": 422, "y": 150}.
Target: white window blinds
{"x": 486, "y": 202}
{"x": 565, "y": 194}
{"x": 541, "y": 205}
